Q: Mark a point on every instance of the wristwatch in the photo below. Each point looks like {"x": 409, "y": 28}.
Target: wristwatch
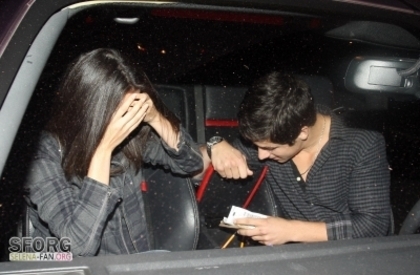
{"x": 211, "y": 142}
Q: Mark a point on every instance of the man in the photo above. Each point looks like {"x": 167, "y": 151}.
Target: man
{"x": 330, "y": 181}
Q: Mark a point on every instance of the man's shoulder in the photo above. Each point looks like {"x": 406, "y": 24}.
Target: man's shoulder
{"x": 362, "y": 138}
{"x": 361, "y": 134}
{"x": 341, "y": 130}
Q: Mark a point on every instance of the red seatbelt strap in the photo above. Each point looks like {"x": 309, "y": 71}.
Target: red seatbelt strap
{"x": 204, "y": 182}
{"x": 256, "y": 186}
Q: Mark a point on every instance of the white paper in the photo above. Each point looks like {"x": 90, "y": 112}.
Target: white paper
{"x": 238, "y": 212}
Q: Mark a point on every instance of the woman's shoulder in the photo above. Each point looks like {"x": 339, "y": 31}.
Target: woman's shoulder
{"x": 48, "y": 138}
{"x": 48, "y": 143}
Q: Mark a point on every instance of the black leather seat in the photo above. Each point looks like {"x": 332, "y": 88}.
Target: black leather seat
{"x": 411, "y": 223}
{"x": 172, "y": 210}
{"x": 25, "y": 227}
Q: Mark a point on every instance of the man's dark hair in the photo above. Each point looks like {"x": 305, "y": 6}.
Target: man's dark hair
{"x": 275, "y": 108}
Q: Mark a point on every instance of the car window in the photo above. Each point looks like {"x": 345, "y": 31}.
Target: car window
{"x": 197, "y": 47}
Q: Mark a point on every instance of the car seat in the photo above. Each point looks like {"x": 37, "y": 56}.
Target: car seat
{"x": 412, "y": 222}
{"x": 171, "y": 210}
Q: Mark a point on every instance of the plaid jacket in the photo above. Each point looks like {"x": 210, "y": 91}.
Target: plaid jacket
{"x": 99, "y": 219}
{"x": 347, "y": 187}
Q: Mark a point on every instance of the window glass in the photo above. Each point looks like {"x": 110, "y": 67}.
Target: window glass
{"x": 222, "y": 48}
{"x": 202, "y": 47}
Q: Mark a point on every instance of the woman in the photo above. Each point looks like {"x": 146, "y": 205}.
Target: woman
{"x": 84, "y": 180}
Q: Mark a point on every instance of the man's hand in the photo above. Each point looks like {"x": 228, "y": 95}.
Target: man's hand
{"x": 276, "y": 231}
{"x": 229, "y": 162}
{"x": 268, "y": 231}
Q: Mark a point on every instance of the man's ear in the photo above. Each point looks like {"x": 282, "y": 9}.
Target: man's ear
{"x": 304, "y": 133}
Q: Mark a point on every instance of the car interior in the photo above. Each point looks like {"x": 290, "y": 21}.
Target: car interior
{"x": 201, "y": 60}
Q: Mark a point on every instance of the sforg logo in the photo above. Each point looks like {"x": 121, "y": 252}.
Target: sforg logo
{"x": 40, "y": 249}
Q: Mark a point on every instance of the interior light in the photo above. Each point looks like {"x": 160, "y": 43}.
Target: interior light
{"x": 122, "y": 20}
{"x": 140, "y": 47}
{"x": 96, "y": 2}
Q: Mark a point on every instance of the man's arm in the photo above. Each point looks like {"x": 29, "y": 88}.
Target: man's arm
{"x": 228, "y": 161}
{"x": 369, "y": 199}
{"x": 368, "y": 192}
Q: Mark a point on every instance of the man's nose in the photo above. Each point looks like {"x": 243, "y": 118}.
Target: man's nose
{"x": 263, "y": 154}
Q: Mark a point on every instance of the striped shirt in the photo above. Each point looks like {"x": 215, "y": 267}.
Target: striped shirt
{"x": 347, "y": 187}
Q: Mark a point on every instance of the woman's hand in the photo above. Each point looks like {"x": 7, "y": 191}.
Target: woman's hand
{"x": 133, "y": 109}
{"x": 129, "y": 114}
{"x": 160, "y": 124}
{"x": 152, "y": 114}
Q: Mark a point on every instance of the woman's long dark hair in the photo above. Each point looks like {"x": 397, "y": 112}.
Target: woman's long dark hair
{"x": 91, "y": 90}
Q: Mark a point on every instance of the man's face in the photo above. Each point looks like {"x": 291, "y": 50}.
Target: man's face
{"x": 277, "y": 152}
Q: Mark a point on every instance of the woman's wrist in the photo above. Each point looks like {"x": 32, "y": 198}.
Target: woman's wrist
{"x": 156, "y": 121}
{"x": 165, "y": 130}
{"x": 99, "y": 167}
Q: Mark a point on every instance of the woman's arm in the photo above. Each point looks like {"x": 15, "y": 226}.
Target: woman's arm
{"x": 77, "y": 210}
{"x": 175, "y": 149}
{"x": 160, "y": 124}
{"x": 186, "y": 160}
{"x": 128, "y": 116}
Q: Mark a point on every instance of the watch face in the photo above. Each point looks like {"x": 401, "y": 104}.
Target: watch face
{"x": 214, "y": 140}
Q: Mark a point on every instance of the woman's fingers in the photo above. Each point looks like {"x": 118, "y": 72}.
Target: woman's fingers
{"x": 126, "y": 104}
{"x": 129, "y": 111}
{"x": 128, "y": 115}
{"x": 137, "y": 118}
{"x": 125, "y": 116}
{"x": 134, "y": 112}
